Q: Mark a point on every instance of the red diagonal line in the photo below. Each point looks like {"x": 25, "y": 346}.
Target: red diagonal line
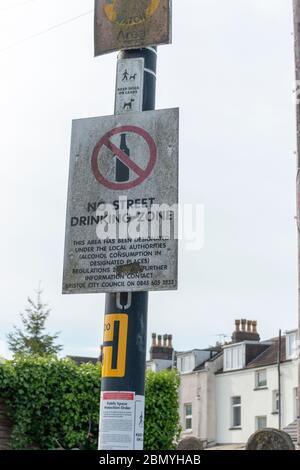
{"x": 124, "y": 158}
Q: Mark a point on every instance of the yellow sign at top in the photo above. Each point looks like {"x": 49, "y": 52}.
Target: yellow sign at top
{"x": 130, "y": 12}
{"x": 131, "y": 24}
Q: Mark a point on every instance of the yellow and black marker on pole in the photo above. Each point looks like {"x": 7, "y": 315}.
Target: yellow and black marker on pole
{"x": 124, "y": 343}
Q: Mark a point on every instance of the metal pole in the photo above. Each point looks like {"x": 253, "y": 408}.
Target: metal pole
{"x": 125, "y": 328}
{"x": 296, "y": 6}
{"x": 279, "y": 381}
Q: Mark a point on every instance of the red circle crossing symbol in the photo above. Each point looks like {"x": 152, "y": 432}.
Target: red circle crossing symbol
{"x": 141, "y": 174}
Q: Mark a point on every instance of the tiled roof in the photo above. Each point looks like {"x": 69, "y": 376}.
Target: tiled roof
{"x": 83, "y": 360}
{"x": 270, "y": 355}
{"x": 202, "y": 365}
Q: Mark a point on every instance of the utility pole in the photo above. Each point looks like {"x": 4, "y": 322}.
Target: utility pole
{"x": 123, "y": 174}
{"x": 279, "y": 381}
{"x": 133, "y": 306}
{"x": 296, "y": 6}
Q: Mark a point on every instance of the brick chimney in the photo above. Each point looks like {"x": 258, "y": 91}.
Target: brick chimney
{"x": 161, "y": 347}
{"x": 245, "y": 330}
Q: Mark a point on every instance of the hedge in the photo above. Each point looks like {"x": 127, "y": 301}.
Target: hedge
{"x": 162, "y": 427}
{"x": 55, "y": 403}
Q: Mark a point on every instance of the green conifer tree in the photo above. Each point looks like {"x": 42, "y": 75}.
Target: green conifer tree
{"x": 31, "y": 339}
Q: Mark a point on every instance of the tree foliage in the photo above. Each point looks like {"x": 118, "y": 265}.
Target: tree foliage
{"x": 55, "y": 403}
{"x": 52, "y": 402}
{"x": 162, "y": 426}
{"x": 32, "y": 339}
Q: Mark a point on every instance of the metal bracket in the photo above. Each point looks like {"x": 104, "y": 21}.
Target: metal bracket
{"x": 119, "y": 304}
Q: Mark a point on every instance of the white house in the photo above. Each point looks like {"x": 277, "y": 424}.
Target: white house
{"x": 253, "y": 391}
{"x": 227, "y": 395}
{"x": 197, "y": 399}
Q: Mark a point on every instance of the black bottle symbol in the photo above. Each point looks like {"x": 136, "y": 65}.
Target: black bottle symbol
{"x": 122, "y": 170}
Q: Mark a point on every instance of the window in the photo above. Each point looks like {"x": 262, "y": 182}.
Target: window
{"x": 291, "y": 345}
{"x": 234, "y": 358}
{"x": 260, "y": 422}
{"x": 228, "y": 359}
{"x": 236, "y": 412}
{"x": 188, "y": 416}
{"x": 296, "y": 403}
{"x": 275, "y": 406}
{"x": 186, "y": 363}
{"x": 261, "y": 379}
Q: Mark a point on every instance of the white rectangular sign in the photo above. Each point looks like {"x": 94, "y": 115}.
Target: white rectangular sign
{"x": 122, "y": 421}
{"x": 121, "y": 220}
{"x": 117, "y": 418}
{"x": 129, "y": 86}
{"x": 139, "y": 422}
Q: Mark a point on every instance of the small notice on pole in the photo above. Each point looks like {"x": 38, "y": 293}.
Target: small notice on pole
{"x": 117, "y": 420}
{"x": 131, "y": 24}
{"x": 122, "y": 421}
{"x": 129, "y": 86}
{"x": 139, "y": 422}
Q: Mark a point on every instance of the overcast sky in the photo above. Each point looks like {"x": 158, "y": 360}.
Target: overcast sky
{"x": 231, "y": 72}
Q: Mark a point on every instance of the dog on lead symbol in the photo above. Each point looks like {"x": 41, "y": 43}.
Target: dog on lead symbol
{"x": 128, "y": 104}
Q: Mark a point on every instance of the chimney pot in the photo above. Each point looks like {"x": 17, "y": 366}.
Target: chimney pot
{"x": 161, "y": 348}
{"x": 246, "y": 333}
{"x": 237, "y": 325}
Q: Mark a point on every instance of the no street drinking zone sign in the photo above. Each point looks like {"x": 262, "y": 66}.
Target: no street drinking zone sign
{"x": 121, "y": 220}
